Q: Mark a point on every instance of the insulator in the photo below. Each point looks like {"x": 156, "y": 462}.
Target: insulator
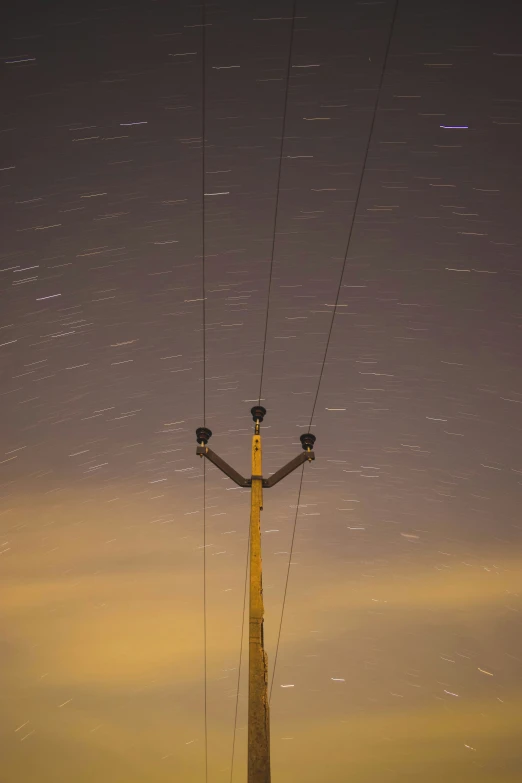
{"x": 258, "y": 413}
{"x": 307, "y": 440}
{"x": 203, "y": 434}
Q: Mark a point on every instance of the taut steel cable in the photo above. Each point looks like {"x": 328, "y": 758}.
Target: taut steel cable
{"x": 350, "y": 232}
{"x": 278, "y": 190}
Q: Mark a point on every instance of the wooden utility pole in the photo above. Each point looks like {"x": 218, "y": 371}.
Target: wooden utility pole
{"x": 258, "y": 715}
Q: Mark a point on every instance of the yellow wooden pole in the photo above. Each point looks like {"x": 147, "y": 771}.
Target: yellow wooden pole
{"x": 258, "y": 717}
{"x": 258, "y": 713}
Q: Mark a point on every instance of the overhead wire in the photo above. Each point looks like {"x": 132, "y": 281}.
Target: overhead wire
{"x": 286, "y": 583}
{"x": 203, "y": 298}
{"x": 350, "y": 232}
{"x": 357, "y": 198}
{"x": 278, "y": 190}
{"x": 270, "y": 275}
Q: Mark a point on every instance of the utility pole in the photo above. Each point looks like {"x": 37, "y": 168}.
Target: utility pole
{"x": 258, "y": 716}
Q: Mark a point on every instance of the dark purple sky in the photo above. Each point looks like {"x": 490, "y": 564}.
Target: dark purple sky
{"x": 401, "y": 635}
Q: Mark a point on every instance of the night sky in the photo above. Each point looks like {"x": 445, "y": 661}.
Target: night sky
{"x": 401, "y": 635}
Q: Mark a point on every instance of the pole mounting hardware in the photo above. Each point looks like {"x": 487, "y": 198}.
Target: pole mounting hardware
{"x": 203, "y": 435}
{"x": 307, "y": 441}
{"x": 258, "y": 412}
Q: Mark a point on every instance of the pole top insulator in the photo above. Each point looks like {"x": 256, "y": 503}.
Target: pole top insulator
{"x": 258, "y": 413}
{"x": 307, "y": 441}
{"x": 203, "y": 434}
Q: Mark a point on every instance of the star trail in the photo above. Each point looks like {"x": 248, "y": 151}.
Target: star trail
{"x": 362, "y": 281}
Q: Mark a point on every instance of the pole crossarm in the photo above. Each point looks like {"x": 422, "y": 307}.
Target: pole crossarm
{"x": 275, "y": 478}
{"x": 228, "y": 470}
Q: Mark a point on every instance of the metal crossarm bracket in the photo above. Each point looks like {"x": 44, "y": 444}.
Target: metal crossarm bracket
{"x": 237, "y": 478}
{"x": 228, "y": 470}
{"x": 304, "y": 456}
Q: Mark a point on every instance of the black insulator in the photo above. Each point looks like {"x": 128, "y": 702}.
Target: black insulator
{"x": 307, "y": 440}
{"x": 258, "y": 413}
{"x": 203, "y": 434}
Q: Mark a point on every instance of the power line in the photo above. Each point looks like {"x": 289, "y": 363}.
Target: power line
{"x": 272, "y": 254}
{"x": 276, "y": 210}
{"x": 357, "y": 197}
{"x": 205, "y": 614}
{"x": 365, "y": 159}
{"x": 203, "y": 237}
{"x": 203, "y": 297}
{"x": 286, "y": 582}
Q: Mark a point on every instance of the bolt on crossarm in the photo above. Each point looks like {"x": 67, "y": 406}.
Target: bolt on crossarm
{"x": 258, "y": 715}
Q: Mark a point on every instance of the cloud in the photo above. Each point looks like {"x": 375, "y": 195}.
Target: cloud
{"x": 116, "y": 637}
